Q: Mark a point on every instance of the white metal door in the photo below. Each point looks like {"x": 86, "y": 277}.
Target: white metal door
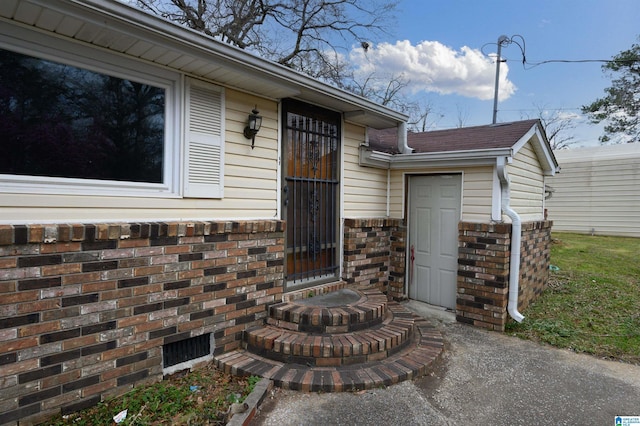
{"x": 434, "y": 213}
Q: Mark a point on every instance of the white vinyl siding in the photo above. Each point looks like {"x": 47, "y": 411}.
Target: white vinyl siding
{"x": 477, "y": 192}
{"x": 397, "y": 194}
{"x": 597, "y": 190}
{"x": 365, "y": 188}
{"x": 251, "y": 175}
{"x": 527, "y": 185}
{"x": 477, "y": 184}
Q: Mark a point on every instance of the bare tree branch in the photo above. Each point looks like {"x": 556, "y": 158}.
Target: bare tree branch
{"x": 289, "y": 32}
{"x": 463, "y": 116}
{"x": 419, "y": 115}
{"x": 311, "y": 36}
{"x": 558, "y": 126}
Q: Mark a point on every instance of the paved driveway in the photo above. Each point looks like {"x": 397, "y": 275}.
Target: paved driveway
{"x": 484, "y": 378}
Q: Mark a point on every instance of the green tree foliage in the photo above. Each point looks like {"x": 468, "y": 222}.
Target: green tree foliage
{"x": 620, "y": 108}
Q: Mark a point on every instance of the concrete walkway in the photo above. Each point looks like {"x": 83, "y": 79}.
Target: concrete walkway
{"x": 484, "y": 378}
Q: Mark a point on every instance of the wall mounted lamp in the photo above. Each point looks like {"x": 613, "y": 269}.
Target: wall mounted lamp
{"x": 253, "y": 126}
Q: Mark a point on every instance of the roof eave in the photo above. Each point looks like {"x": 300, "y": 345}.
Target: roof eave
{"x": 125, "y": 19}
{"x": 541, "y": 147}
{"x": 484, "y": 157}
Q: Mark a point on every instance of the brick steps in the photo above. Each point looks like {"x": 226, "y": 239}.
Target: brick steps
{"x": 368, "y": 311}
{"x": 364, "y": 344}
{"x": 413, "y": 361}
{"x": 334, "y": 349}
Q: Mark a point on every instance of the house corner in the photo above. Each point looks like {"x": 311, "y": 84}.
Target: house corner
{"x": 483, "y": 270}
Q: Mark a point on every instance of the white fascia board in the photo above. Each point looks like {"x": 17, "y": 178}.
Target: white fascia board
{"x": 542, "y": 149}
{"x": 524, "y": 139}
{"x": 382, "y": 160}
{"x": 448, "y": 159}
{"x": 133, "y": 21}
{"x": 545, "y": 153}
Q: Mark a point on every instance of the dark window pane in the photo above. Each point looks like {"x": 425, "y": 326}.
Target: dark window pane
{"x": 62, "y": 121}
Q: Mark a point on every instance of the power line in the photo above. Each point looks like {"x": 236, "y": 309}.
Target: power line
{"x": 519, "y": 41}
{"x": 545, "y": 109}
{"x": 577, "y": 61}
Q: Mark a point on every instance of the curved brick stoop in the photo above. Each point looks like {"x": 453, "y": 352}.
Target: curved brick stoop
{"x": 366, "y": 344}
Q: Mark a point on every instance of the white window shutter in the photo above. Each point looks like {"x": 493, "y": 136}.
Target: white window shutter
{"x": 204, "y": 136}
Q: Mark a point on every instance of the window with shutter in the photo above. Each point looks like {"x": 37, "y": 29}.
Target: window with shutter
{"x": 106, "y": 126}
{"x": 204, "y": 131}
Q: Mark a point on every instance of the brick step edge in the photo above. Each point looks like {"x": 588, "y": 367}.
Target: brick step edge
{"x": 368, "y": 311}
{"x": 412, "y": 362}
{"x": 328, "y": 327}
{"x": 331, "y": 349}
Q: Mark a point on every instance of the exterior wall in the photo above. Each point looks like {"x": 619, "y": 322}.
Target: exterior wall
{"x": 374, "y": 254}
{"x": 477, "y": 194}
{"x": 250, "y": 176}
{"x": 483, "y": 273}
{"x": 477, "y": 187}
{"x": 398, "y": 263}
{"x": 86, "y": 309}
{"x": 397, "y": 194}
{"x": 597, "y": 191}
{"x": 365, "y": 188}
{"x": 527, "y": 185}
{"x": 534, "y": 261}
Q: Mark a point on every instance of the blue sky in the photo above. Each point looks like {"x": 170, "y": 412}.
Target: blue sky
{"x": 437, "y": 45}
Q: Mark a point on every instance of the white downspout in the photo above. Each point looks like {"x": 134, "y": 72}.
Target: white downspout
{"x": 516, "y": 237}
{"x": 402, "y": 139}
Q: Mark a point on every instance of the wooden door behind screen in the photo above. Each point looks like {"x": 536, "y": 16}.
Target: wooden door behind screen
{"x": 310, "y": 194}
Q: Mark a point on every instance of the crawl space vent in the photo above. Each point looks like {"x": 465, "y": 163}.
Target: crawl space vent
{"x": 186, "y": 350}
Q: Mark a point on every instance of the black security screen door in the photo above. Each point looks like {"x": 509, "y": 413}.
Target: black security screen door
{"x": 310, "y": 194}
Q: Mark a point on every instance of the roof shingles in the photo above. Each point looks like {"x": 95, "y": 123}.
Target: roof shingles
{"x": 493, "y": 136}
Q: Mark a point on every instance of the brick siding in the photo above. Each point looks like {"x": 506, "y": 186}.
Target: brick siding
{"x": 483, "y": 270}
{"x": 374, "y": 254}
{"x": 85, "y": 309}
{"x": 534, "y": 261}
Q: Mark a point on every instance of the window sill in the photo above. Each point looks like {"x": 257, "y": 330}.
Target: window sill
{"x": 60, "y": 186}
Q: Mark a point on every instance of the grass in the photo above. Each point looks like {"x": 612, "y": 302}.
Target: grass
{"x": 201, "y": 397}
{"x": 592, "y": 303}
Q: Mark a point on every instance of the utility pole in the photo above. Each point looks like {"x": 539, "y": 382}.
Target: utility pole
{"x": 502, "y": 39}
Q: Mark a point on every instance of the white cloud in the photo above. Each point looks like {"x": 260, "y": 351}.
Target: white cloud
{"x": 431, "y": 66}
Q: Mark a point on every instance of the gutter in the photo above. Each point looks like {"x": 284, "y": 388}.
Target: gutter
{"x": 516, "y": 237}
{"x": 383, "y": 160}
